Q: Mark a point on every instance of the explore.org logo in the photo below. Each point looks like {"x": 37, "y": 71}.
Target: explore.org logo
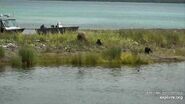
{"x": 164, "y": 95}
{"x": 171, "y": 97}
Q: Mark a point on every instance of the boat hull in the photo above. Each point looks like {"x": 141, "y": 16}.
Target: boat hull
{"x": 56, "y": 30}
{"x": 15, "y": 30}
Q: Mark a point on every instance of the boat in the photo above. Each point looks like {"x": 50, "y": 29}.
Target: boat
{"x": 56, "y": 29}
{"x": 8, "y": 24}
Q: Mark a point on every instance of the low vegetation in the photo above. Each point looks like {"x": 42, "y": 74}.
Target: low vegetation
{"x": 16, "y": 61}
{"x": 133, "y": 59}
{"x": 112, "y": 53}
{"x": 28, "y": 56}
{"x": 2, "y": 52}
{"x": 117, "y": 48}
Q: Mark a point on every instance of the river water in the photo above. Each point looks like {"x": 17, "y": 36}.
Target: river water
{"x": 152, "y": 84}
{"x": 94, "y": 85}
{"x": 96, "y": 15}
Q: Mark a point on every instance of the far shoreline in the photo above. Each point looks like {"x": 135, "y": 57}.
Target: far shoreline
{"x": 31, "y": 31}
{"x": 110, "y": 1}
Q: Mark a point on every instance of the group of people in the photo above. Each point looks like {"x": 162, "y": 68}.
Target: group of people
{"x": 59, "y": 25}
{"x": 43, "y": 27}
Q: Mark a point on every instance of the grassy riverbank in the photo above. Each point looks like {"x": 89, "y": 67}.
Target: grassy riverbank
{"x": 120, "y": 47}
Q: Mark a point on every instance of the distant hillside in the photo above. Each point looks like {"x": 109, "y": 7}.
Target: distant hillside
{"x": 155, "y": 1}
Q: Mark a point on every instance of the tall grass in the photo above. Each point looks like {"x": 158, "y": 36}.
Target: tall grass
{"x": 119, "y": 46}
{"x": 129, "y": 58}
{"x": 112, "y": 53}
{"x": 180, "y": 52}
{"x": 51, "y": 59}
{"x": 2, "y": 52}
{"x": 76, "y": 59}
{"x": 84, "y": 59}
{"x": 28, "y": 56}
{"x": 91, "y": 59}
{"x": 109, "y": 38}
{"x": 16, "y": 61}
{"x": 159, "y": 38}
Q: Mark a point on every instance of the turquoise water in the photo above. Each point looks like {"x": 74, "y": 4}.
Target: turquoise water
{"x": 96, "y": 14}
{"x": 95, "y": 85}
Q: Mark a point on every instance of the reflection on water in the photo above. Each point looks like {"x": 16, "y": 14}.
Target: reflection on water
{"x": 115, "y": 72}
{"x": 2, "y": 69}
{"x": 72, "y": 85}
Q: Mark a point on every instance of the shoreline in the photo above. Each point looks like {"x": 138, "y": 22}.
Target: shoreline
{"x": 119, "y": 48}
{"x": 31, "y": 31}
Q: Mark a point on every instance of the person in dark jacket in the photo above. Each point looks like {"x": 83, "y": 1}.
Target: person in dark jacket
{"x": 43, "y": 29}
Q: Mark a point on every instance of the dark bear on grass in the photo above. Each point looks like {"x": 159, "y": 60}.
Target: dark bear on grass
{"x": 148, "y": 50}
{"x": 98, "y": 42}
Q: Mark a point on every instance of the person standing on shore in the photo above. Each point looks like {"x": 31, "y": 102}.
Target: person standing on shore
{"x": 59, "y": 25}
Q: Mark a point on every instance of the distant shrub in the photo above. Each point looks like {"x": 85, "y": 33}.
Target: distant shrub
{"x": 28, "y": 56}
{"x": 2, "y": 52}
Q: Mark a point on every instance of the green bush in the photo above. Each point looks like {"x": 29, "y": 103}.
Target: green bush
{"x": 28, "y": 56}
{"x": 2, "y": 52}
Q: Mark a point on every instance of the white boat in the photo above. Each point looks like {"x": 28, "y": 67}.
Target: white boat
{"x": 8, "y": 24}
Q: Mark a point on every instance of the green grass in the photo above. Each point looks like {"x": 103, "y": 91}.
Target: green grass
{"x": 16, "y": 61}
{"x": 120, "y": 47}
{"x": 2, "y": 52}
{"x": 157, "y": 38}
{"x": 129, "y": 58}
{"x": 180, "y": 52}
{"x": 76, "y": 59}
{"x": 93, "y": 59}
{"x": 112, "y": 53}
{"x": 28, "y": 56}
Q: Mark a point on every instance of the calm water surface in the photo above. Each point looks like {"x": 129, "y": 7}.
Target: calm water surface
{"x": 72, "y": 85}
{"x": 108, "y": 15}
